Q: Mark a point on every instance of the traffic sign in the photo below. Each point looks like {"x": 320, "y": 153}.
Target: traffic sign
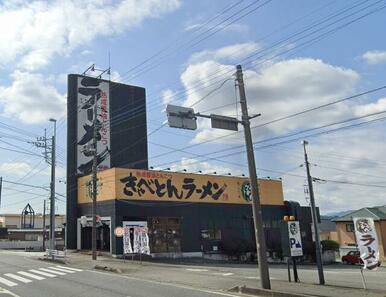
{"x": 181, "y": 117}
{"x": 295, "y": 239}
{"x": 223, "y": 122}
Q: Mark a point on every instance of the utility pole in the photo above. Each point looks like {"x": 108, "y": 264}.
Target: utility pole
{"x": 52, "y": 188}
{"x": 44, "y": 225}
{"x": 256, "y": 206}
{"x": 41, "y": 142}
{"x": 94, "y": 180}
{"x": 318, "y": 249}
{"x": 1, "y": 187}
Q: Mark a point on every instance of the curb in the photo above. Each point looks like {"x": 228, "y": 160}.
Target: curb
{"x": 106, "y": 268}
{"x": 264, "y": 292}
{"x": 53, "y": 260}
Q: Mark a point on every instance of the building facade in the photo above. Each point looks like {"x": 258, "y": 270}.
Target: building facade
{"x": 13, "y": 235}
{"x": 122, "y": 133}
{"x": 186, "y": 214}
{"x": 345, "y": 229}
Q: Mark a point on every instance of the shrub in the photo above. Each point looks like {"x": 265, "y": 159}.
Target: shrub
{"x": 329, "y": 245}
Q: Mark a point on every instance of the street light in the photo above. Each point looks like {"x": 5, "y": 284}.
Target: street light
{"x": 52, "y": 188}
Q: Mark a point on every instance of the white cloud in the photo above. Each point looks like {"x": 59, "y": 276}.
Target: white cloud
{"x": 17, "y": 168}
{"x": 167, "y": 96}
{"x": 369, "y": 108}
{"x": 33, "y": 32}
{"x": 374, "y": 57}
{"x": 231, "y": 52}
{"x": 278, "y": 89}
{"x": 353, "y": 156}
{"x": 31, "y": 98}
{"x": 86, "y": 52}
{"x": 195, "y": 165}
{"x": 115, "y": 76}
{"x": 237, "y": 28}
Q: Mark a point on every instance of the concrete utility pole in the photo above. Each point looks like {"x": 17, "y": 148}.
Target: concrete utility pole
{"x": 52, "y": 188}
{"x": 41, "y": 142}
{"x": 1, "y": 187}
{"x": 318, "y": 249}
{"x": 94, "y": 180}
{"x": 256, "y": 207}
{"x": 44, "y": 225}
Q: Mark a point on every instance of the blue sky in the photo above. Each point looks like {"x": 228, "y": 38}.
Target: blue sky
{"x": 198, "y": 45}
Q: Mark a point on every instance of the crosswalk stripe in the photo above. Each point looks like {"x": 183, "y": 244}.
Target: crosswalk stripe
{"x": 61, "y": 269}
{"x": 30, "y": 275}
{"x": 52, "y": 271}
{"x": 19, "y": 278}
{"x": 7, "y": 282}
{"x": 70, "y": 268}
{"x": 42, "y": 273}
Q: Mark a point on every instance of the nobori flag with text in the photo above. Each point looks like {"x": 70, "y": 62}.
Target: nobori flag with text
{"x": 367, "y": 241}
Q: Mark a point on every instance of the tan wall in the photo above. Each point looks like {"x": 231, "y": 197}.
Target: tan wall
{"x": 14, "y": 221}
{"x": 344, "y": 237}
{"x": 380, "y": 240}
{"x": 383, "y": 234}
{"x": 114, "y": 184}
{"x": 329, "y": 235}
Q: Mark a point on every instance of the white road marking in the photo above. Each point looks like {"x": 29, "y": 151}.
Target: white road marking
{"x": 7, "y": 282}
{"x": 42, "y": 273}
{"x": 4, "y": 291}
{"x": 30, "y": 275}
{"x": 196, "y": 269}
{"x": 70, "y": 268}
{"x": 228, "y": 273}
{"x": 19, "y": 278}
{"x": 52, "y": 271}
{"x": 61, "y": 269}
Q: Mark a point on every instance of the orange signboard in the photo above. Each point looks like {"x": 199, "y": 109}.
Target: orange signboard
{"x": 151, "y": 185}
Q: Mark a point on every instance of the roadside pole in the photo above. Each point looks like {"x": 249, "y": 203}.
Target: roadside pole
{"x": 52, "y": 188}
{"x": 186, "y": 118}
{"x": 314, "y": 216}
{"x": 44, "y": 225}
{"x": 94, "y": 181}
{"x": 256, "y": 206}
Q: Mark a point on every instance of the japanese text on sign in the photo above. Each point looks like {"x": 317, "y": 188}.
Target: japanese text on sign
{"x": 136, "y": 185}
{"x": 367, "y": 241}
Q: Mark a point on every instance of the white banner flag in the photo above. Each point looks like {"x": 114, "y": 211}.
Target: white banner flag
{"x": 367, "y": 241}
{"x": 127, "y": 249}
{"x": 141, "y": 241}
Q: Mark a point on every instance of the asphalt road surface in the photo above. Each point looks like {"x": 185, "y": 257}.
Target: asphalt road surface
{"x": 27, "y": 277}
{"x": 21, "y": 274}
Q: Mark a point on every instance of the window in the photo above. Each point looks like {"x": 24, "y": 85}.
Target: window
{"x": 350, "y": 227}
{"x": 211, "y": 234}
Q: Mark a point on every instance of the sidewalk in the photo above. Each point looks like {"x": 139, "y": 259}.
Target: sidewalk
{"x": 302, "y": 289}
{"x": 178, "y": 274}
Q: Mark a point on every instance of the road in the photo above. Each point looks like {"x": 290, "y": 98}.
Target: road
{"x": 22, "y": 276}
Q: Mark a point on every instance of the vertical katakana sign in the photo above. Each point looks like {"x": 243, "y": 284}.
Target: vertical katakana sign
{"x": 91, "y": 91}
{"x": 367, "y": 242}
